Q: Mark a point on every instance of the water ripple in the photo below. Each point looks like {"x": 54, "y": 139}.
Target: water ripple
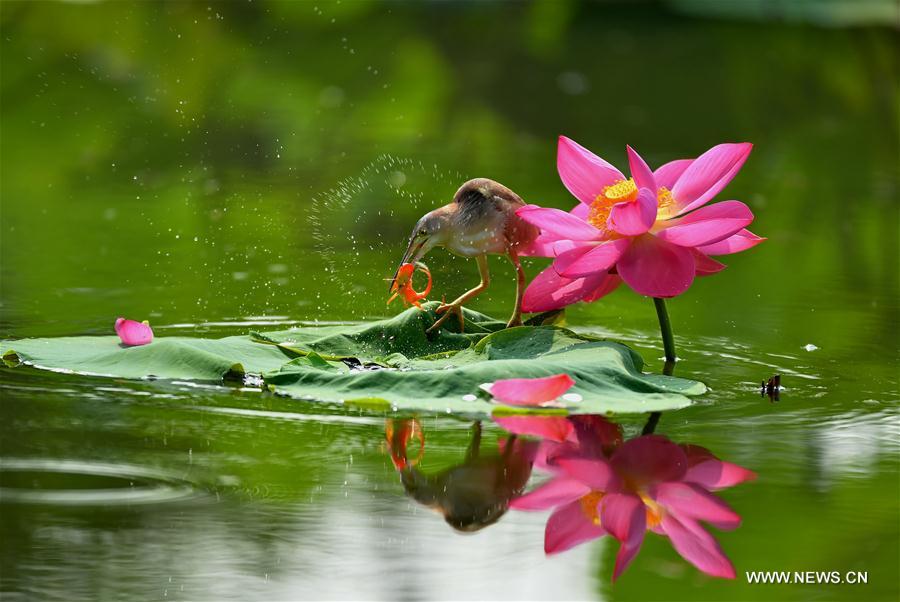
{"x": 78, "y": 483}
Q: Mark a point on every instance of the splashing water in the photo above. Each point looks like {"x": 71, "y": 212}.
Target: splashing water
{"x": 372, "y": 214}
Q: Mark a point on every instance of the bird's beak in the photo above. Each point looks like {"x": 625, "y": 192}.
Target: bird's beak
{"x": 413, "y": 255}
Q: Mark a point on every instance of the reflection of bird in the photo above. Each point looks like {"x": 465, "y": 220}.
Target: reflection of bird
{"x": 472, "y": 494}
{"x": 481, "y": 219}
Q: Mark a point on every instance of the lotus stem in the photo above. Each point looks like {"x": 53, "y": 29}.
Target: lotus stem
{"x": 665, "y": 328}
{"x": 652, "y": 421}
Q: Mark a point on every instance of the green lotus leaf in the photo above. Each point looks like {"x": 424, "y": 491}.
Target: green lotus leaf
{"x": 384, "y": 364}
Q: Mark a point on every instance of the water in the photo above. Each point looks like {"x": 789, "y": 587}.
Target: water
{"x": 198, "y": 169}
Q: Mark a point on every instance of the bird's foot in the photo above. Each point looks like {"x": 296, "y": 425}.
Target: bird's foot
{"x": 448, "y": 309}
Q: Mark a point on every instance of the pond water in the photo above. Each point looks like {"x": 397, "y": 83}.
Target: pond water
{"x": 224, "y": 168}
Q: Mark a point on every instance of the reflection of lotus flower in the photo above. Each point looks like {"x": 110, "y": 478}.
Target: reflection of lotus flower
{"x": 530, "y": 391}
{"x": 584, "y": 434}
{"x": 550, "y": 428}
{"x": 651, "y": 230}
{"x": 604, "y": 486}
{"x": 133, "y": 333}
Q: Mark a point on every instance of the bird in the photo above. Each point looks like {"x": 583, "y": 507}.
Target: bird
{"x": 480, "y": 220}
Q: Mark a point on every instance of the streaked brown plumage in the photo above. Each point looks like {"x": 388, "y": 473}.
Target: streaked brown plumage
{"x": 480, "y": 220}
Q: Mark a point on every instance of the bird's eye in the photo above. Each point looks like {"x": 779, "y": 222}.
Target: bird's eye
{"x": 422, "y": 234}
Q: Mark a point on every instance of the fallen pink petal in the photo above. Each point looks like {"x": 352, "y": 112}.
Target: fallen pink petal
{"x": 133, "y": 333}
{"x": 530, "y": 391}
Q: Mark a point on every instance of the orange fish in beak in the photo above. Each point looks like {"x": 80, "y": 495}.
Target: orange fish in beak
{"x": 402, "y": 286}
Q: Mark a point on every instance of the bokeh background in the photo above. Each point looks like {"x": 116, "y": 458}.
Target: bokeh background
{"x": 209, "y": 165}
{"x": 197, "y": 153}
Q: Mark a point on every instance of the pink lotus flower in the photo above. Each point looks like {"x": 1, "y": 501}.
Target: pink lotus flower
{"x": 646, "y": 483}
{"x": 530, "y": 391}
{"x": 133, "y": 333}
{"x": 653, "y": 230}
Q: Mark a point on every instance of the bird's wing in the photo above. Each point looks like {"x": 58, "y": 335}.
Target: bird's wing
{"x": 475, "y": 206}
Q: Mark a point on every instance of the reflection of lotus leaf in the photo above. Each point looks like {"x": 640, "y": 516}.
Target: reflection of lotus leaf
{"x": 394, "y": 361}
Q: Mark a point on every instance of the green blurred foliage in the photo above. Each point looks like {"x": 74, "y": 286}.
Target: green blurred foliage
{"x": 130, "y": 129}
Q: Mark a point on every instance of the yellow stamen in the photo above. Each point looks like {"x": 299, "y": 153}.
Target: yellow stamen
{"x": 623, "y": 190}
{"x": 598, "y": 214}
{"x": 665, "y": 201}
{"x": 618, "y": 192}
{"x": 590, "y": 505}
{"x": 654, "y": 510}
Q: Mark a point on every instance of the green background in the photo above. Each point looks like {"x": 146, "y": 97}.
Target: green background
{"x": 218, "y": 168}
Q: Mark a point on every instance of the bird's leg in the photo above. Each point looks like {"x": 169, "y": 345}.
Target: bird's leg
{"x": 455, "y": 307}
{"x": 516, "y": 319}
{"x": 475, "y": 444}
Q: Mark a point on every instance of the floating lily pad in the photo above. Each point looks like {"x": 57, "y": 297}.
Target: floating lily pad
{"x": 386, "y": 363}
{"x": 166, "y": 357}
